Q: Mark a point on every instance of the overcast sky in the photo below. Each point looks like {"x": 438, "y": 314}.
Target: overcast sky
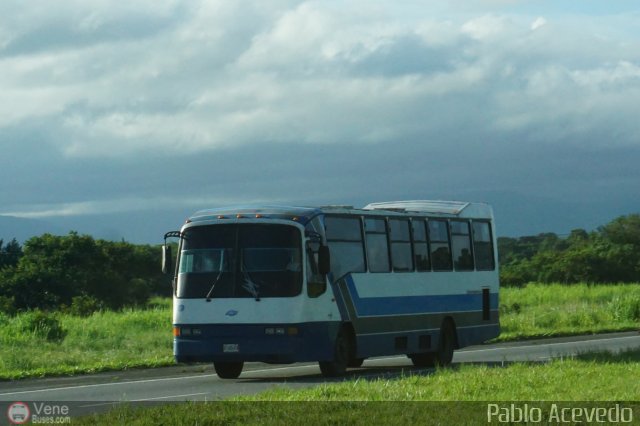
{"x": 147, "y": 108}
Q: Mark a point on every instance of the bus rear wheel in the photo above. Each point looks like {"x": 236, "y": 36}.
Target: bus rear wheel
{"x": 228, "y": 370}
{"x": 423, "y": 360}
{"x": 446, "y": 345}
{"x": 337, "y": 366}
{"x": 444, "y": 354}
{"x": 355, "y": 362}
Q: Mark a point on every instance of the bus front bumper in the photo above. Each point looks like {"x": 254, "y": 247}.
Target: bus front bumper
{"x": 278, "y": 344}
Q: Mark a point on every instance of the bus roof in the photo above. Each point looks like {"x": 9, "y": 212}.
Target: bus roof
{"x": 453, "y": 208}
{"x": 389, "y": 208}
{"x": 302, "y": 214}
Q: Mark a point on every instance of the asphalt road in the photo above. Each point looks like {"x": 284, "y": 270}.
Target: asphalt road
{"x": 97, "y": 392}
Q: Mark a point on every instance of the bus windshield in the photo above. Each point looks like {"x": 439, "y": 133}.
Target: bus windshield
{"x": 240, "y": 261}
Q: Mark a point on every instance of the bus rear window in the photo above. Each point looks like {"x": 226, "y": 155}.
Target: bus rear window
{"x": 483, "y": 246}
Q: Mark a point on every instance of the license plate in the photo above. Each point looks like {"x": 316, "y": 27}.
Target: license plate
{"x": 230, "y": 347}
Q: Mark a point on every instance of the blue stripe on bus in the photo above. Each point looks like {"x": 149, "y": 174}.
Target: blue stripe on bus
{"x": 400, "y": 305}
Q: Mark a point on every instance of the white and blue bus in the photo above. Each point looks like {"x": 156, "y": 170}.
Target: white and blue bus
{"x": 333, "y": 284}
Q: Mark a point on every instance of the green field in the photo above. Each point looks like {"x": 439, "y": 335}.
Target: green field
{"x": 142, "y": 338}
{"x": 103, "y": 341}
{"x": 543, "y": 310}
{"x": 589, "y": 377}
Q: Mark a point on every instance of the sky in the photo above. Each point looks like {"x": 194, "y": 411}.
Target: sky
{"x": 121, "y": 118}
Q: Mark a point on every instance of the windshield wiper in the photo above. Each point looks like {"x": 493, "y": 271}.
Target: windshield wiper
{"x": 250, "y": 285}
{"x": 208, "y": 297}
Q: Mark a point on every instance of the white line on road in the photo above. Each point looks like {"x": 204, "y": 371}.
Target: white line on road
{"x": 167, "y": 397}
{"x": 554, "y": 344}
{"x": 105, "y": 384}
{"x": 142, "y": 400}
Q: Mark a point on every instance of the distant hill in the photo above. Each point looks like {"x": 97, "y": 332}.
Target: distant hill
{"x": 22, "y": 229}
{"x": 140, "y": 227}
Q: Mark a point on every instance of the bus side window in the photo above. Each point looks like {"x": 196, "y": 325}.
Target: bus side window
{"x": 461, "y": 245}
{"x": 344, "y": 237}
{"x": 440, "y": 246}
{"x": 401, "y": 256}
{"x": 483, "y": 246}
{"x": 420, "y": 246}
{"x": 377, "y": 245}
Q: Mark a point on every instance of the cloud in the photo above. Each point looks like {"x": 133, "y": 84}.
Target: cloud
{"x": 538, "y": 23}
{"x": 133, "y": 107}
{"x": 74, "y": 24}
{"x": 208, "y": 75}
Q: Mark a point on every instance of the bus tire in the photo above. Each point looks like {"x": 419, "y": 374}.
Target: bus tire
{"x": 446, "y": 344}
{"x": 337, "y": 366}
{"x": 424, "y": 360}
{"x": 355, "y": 362}
{"x": 228, "y": 370}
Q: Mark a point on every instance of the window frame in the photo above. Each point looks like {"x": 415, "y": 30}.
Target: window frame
{"x": 448, "y": 242}
{"x": 414, "y": 242}
{"x": 408, "y": 241}
{"x": 361, "y": 241}
{"x": 366, "y": 243}
{"x": 468, "y": 240}
{"x": 491, "y": 243}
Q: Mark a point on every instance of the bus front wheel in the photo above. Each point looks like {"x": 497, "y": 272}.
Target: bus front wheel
{"x": 337, "y": 366}
{"x": 228, "y": 370}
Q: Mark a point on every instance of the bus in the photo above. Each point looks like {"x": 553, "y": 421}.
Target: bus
{"x": 334, "y": 285}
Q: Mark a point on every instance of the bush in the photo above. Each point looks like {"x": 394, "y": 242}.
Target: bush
{"x": 7, "y": 305}
{"x": 513, "y": 308}
{"x": 81, "y": 275}
{"x": 138, "y": 291}
{"x": 84, "y": 306}
{"x": 625, "y": 308}
{"x": 44, "y": 325}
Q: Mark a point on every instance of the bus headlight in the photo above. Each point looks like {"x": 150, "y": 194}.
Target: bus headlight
{"x": 281, "y": 331}
{"x": 186, "y": 331}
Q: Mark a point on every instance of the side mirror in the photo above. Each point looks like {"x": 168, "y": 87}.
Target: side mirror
{"x": 324, "y": 260}
{"x": 166, "y": 259}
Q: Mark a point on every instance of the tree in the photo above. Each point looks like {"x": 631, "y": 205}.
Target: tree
{"x": 612, "y": 254}
{"x": 58, "y": 270}
{"x": 623, "y": 230}
{"x": 10, "y": 253}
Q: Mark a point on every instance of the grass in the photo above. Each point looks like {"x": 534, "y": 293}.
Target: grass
{"x": 589, "y": 377}
{"x": 103, "y": 341}
{"x": 543, "y": 310}
{"x": 596, "y": 377}
{"x": 142, "y": 337}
